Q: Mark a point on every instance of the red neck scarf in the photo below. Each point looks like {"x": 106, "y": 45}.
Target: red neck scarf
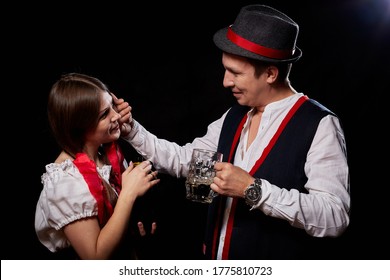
{"x": 87, "y": 168}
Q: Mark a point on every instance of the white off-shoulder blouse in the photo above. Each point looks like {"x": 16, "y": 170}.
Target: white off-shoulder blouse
{"x": 65, "y": 198}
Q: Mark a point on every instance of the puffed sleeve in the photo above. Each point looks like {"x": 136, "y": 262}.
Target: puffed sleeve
{"x": 65, "y": 198}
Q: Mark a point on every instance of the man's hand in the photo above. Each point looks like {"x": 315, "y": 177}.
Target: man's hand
{"x": 230, "y": 180}
{"x": 124, "y": 109}
{"x": 142, "y": 230}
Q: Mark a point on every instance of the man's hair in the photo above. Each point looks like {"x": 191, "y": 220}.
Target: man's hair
{"x": 261, "y": 66}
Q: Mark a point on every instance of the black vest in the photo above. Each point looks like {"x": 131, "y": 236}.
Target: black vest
{"x": 255, "y": 235}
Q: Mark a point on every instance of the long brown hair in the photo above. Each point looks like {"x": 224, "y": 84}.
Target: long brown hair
{"x": 73, "y": 109}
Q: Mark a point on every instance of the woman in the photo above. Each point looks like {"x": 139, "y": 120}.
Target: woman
{"x": 89, "y": 191}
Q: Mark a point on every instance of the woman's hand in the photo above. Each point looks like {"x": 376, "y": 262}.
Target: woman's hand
{"x": 137, "y": 180}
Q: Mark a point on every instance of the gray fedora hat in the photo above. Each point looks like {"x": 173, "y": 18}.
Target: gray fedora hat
{"x": 261, "y": 32}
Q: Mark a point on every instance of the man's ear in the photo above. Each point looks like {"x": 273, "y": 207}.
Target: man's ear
{"x": 272, "y": 73}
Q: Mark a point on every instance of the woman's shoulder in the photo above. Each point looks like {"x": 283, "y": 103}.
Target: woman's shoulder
{"x": 62, "y": 165}
{"x": 64, "y": 170}
{"x": 57, "y": 170}
{"x": 62, "y": 180}
{"x": 63, "y": 156}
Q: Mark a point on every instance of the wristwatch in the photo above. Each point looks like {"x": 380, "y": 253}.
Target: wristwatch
{"x": 253, "y": 192}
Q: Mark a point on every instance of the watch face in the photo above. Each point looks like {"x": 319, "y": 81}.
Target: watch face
{"x": 253, "y": 194}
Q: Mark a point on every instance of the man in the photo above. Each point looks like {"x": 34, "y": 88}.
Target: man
{"x": 284, "y": 179}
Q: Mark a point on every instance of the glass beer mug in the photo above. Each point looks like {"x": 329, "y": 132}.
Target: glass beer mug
{"x": 201, "y": 174}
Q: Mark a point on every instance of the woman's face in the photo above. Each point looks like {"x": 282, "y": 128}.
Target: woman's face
{"x": 108, "y": 129}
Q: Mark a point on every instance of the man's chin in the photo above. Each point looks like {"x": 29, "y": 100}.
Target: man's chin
{"x": 241, "y": 101}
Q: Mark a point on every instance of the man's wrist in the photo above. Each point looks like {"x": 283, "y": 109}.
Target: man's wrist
{"x": 126, "y": 132}
{"x": 253, "y": 192}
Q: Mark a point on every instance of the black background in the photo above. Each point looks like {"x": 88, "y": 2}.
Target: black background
{"x": 161, "y": 58}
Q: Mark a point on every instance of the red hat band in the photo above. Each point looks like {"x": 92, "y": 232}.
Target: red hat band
{"x": 255, "y": 48}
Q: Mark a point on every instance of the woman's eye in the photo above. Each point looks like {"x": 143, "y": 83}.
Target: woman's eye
{"x": 104, "y": 115}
